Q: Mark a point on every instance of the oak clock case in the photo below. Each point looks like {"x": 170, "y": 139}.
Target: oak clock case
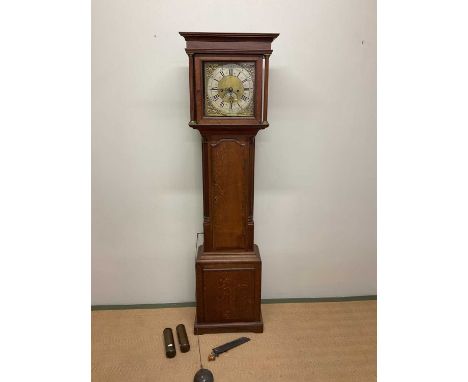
{"x": 228, "y": 85}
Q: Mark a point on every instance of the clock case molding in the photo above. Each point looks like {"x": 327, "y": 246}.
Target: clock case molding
{"x": 228, "y": 265}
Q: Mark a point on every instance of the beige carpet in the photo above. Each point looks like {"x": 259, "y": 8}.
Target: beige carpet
{"x": 317, "y": 342}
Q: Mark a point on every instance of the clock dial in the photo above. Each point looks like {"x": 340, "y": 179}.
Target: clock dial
{"x": 229, "y": 89}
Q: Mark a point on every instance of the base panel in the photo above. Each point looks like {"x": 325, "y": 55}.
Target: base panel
{"x": 228, "y": 292}
{"x": 232, "y": 327}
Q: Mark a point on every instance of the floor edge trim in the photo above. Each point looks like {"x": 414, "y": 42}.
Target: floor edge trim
{"x": 264, "y": 301}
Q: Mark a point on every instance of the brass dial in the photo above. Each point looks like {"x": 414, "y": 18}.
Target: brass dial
{"x": 229, "y": 89}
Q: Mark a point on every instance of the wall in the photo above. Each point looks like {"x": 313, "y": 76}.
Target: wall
{"x": 315, "y": 186}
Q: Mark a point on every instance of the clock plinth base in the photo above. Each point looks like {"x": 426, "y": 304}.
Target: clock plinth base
{"x": 228, "y": 292}
{"x": 232, "y": 327}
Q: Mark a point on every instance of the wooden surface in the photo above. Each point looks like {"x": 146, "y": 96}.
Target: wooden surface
{"x": 228, "y": 267}
{"x": 319, "y": 342}
{"x": 233, "y": 43}
{"x": 228, "y": 288}
{"x": 228, "y": 165}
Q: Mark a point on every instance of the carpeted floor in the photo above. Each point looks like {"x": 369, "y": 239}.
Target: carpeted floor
{"x": 317, "y": 342}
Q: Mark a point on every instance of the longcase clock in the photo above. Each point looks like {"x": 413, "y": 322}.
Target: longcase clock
{"x": 228, "y": 83}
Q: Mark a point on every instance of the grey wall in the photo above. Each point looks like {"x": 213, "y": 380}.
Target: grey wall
{"x": 315, "y": 186}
